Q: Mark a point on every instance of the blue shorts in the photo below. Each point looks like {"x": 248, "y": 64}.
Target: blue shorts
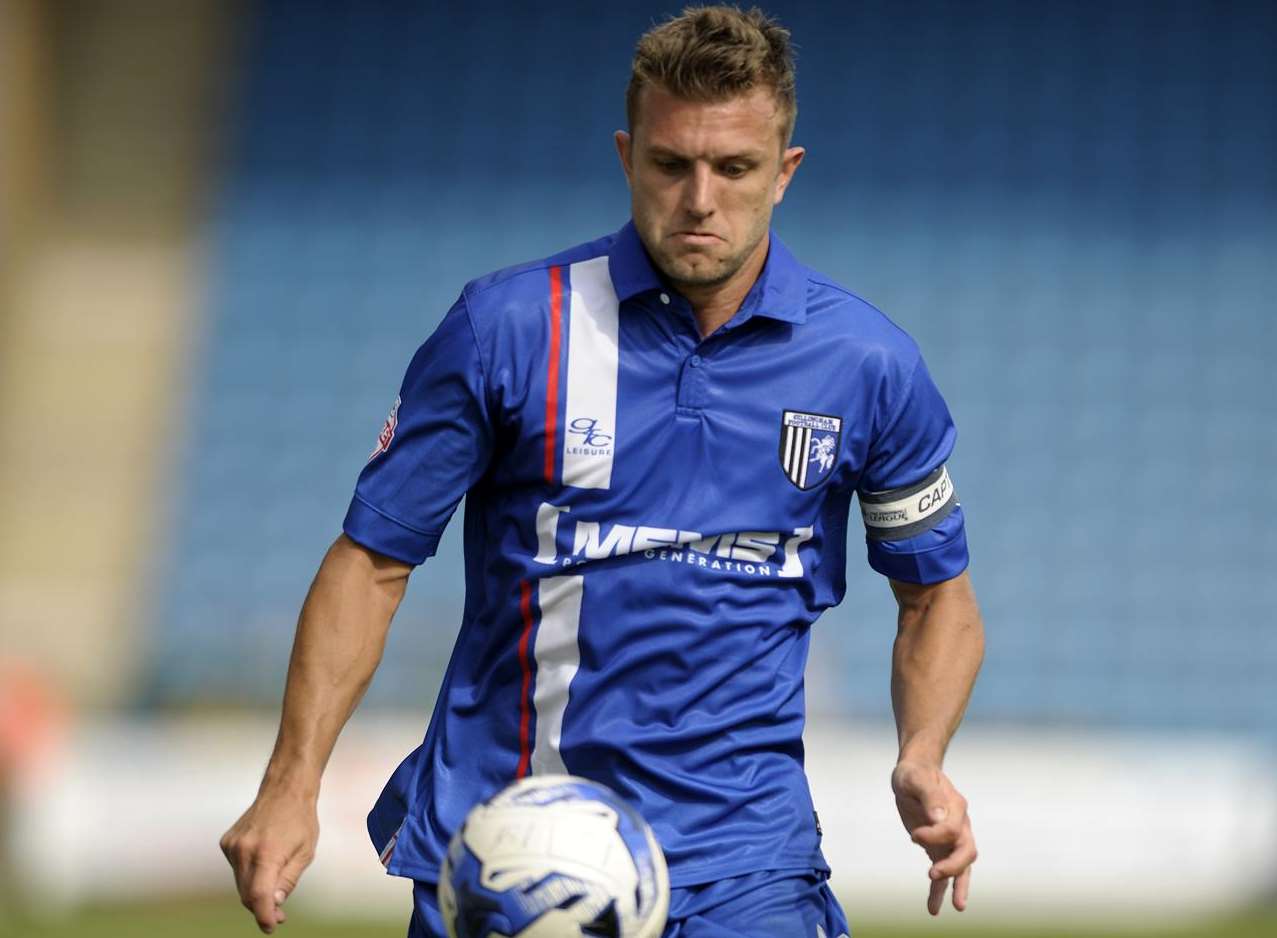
{"x": 770, "y": 904}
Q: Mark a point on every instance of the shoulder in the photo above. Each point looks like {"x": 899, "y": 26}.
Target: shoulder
{"x": 509, "y": 311}
{"x": 524, "y": 289}
{"x": 859, "y": 329}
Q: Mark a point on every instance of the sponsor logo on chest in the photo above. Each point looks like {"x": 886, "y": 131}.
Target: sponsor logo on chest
{"x": 764, "y": 553}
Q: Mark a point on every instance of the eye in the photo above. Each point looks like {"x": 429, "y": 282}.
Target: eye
{"x": 669, "y": 166}
{"x": 735, "y": 170}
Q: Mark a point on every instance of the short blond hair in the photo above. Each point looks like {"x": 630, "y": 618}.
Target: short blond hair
{"x": 711, "y": 53}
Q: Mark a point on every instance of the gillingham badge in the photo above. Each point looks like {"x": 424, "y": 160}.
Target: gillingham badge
{"x": 808, "y": 447}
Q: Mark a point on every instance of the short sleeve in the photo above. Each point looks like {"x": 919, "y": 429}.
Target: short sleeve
{"x": 434, "y": 446}
{"x": 913, "y": 522}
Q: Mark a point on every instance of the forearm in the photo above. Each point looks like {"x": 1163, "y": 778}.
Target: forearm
{"x": 937, "y": 655}
{"x": 341, "y": 634}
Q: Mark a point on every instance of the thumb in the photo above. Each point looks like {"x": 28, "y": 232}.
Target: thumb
{"x": 290, "y": 874}
{"x": 927, "y": 788}
{"x": 933, "y": 803}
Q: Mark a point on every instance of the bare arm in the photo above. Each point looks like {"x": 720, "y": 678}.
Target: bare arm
{"x": 937, "y": 655}
{"x": 938, "y": 650}
{"x": 341, "y": 634}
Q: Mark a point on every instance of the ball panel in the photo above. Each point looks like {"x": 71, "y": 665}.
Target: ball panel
{"x": 552, "y": 856}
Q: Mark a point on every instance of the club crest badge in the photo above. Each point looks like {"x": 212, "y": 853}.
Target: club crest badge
{"x": 808, "y": 447}
{"x": 387, "y": 432}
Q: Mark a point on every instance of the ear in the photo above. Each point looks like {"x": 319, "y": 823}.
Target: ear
{"x": 788, "y": 166}
{"x": 625, "y": 150}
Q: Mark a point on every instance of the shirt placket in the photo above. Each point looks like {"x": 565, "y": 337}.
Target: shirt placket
{"x": 694, "y": 352}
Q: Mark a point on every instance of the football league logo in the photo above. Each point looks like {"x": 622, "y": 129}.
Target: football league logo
{"x": 808, "y": 447}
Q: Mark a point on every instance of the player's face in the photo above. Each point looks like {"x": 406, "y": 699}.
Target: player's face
{"x": 704, "y": 178}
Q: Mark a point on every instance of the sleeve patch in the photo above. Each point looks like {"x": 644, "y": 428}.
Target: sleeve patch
{"x": 906, "y": 512}
{"x": 387, "y": 433}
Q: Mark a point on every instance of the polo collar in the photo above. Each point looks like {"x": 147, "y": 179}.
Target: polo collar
{"x": 780, "y": 292}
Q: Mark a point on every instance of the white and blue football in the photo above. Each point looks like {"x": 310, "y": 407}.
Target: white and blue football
{"x": 554, "y": 856}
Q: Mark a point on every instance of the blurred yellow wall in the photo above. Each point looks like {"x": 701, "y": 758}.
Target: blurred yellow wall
{"x": 21, "y": 133}
{"x": 109, "y": 111}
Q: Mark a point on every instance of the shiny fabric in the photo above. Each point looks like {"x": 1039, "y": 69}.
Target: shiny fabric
{"x": 703, "y": 565}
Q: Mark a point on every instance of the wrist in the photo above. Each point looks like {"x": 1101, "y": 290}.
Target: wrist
{"x": 922, "y": 751}
{"x": 291, "y": 781}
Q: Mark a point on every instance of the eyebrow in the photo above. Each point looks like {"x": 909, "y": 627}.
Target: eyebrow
{"x": 747, "y": 156}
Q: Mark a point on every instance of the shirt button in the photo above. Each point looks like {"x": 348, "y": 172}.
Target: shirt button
{"x": 665, "y": 298}
{"x": 696, "y": 361}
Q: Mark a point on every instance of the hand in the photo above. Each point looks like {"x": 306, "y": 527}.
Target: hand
{"x": 935, "y": 815}
{"x": 268, "y": 848}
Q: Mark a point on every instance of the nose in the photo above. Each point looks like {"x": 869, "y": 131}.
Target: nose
{"x": 698, "y": 195}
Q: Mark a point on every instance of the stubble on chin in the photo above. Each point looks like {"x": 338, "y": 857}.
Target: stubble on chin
{"x": 700, "y": 268}
{"x": 708, "y": 272}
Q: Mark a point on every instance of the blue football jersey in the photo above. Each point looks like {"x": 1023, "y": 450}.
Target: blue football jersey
{"x": 654, "y": 521}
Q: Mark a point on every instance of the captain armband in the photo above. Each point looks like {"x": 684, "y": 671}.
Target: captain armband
{"x": 906, "y": 512}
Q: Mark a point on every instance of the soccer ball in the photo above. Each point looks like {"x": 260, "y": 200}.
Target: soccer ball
{"x": 554, "y": 856}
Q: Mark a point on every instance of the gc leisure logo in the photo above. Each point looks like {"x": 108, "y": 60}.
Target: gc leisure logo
{"x": 585, "y": 438}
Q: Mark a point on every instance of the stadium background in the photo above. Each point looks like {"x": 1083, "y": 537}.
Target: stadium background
{"x": 225, "y": 227}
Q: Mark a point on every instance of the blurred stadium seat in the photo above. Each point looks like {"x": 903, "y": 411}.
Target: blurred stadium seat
{"x": 1069, "y": 205}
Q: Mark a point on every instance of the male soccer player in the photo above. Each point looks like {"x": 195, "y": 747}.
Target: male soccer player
{"x": 659, "y": 433}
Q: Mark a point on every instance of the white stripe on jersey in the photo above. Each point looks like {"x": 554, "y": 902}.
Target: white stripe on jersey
{"x": 804, "y": 447}
{"x": 558, "y": 656}
{"x": 592, "y": 367}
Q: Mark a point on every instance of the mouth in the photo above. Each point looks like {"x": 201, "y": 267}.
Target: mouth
{"x": 695, "y": 237}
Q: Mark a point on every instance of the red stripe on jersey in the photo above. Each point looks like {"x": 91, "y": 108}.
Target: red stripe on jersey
{"x": 552, "y": 373}
{"x": 525, "y": 703}
{"x": 390, "y": 848}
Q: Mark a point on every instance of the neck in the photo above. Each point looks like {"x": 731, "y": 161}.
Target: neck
{"x": 714, "y": 304}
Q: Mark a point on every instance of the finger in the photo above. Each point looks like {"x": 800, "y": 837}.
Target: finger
{"x": 936, "y": 899}
{"x": 946, "y": 823}
{"x": 912, "y": 816}
{"x": 286, "y": 882}
{"x": 242, "y": 858}
{"x": 961, "y": 889}
{"x": 264, "y": 911}
{"x": 260, "y": 896}
{"x": 936, "y": 835}
{"x": 962, "y": 856}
